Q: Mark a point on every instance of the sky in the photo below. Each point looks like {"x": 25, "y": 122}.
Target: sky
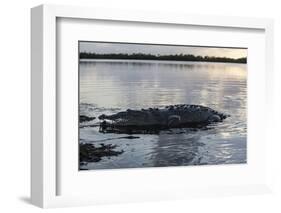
{"x": 106, "y": 47}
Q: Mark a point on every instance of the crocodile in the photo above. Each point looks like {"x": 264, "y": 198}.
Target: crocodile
{"x": 173, "y": 116}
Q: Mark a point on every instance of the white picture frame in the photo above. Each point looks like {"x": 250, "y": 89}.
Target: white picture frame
{"x": 44, "y": 149}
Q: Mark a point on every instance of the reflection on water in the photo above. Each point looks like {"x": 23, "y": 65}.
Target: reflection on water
{"x": 111, "y": 86}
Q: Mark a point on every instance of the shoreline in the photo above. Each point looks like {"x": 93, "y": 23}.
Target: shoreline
{"x": 152, "y": 61}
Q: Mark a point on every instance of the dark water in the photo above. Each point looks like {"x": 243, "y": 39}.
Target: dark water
{"x": 108, "y": 87}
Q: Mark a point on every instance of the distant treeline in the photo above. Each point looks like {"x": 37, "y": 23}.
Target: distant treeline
{"x": 177, "y": 57}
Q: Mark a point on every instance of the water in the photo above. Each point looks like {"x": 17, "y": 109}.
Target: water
{"x": 109, "y": 86}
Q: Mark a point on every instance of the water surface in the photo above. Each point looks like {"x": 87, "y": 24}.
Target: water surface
{"x": 109, "y": 86}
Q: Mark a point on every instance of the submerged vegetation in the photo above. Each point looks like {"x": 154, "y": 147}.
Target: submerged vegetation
{"x": 177, "y": 57}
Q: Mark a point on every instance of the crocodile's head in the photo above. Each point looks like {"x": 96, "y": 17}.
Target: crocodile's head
{"x": 114, "y": 117}
{"x": 102, "y": 117}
